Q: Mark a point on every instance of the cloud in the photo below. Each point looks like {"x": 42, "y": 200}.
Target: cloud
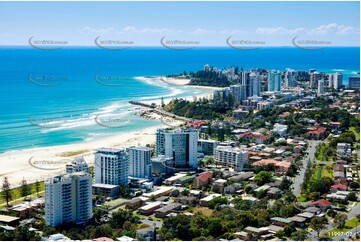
{"x": 89, "y": 30}
{"x": 334, "y": 28}
{"x": 279, "y": 30}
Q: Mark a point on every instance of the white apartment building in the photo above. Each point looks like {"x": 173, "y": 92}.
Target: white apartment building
{"x": 274, "y": 81}
{"x": 77, "y": 165}
{"x": 279, "y": 129}
{"x": 140, "y": 164}
{"x": 254, "y": 85}
{"x": 68, "y": 198}
{"x": 180, "y": 144}
{"x": 238, "y": 92}
{"x": 337, "y": 80}
{"x": 230, "y": 156}
{"x": 344, "y": 150}
{"x": 291, "y": 78}
{"x": 111, "y": 166}
{"x": 207, "y": 147}
{"x": 321, "y": 87}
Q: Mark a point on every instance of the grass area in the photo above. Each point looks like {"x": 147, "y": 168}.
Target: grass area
{"x": 302, "y": 198}
{"x": 323, "y": 153}
{"x": 135, "y": 214}
{"x": 356, "y": 132}
{"x": 204, "y": 210}
{"x": 16, "y": 194}
{"x": 116, "y": 202}
{"x": 350, "y": 224}
{"x": 155, "y": 218}
{"x": 327, "y": 171}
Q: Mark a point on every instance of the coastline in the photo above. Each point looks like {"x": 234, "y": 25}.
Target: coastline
{"x": 19, "y": 164}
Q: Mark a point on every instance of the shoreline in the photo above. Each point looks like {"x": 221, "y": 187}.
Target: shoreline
{"x": 19, "y": 164}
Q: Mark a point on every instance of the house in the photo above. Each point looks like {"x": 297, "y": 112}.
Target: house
{"x": 185, "y": 180}
{"x": 146, "y": 234}
{"x": 203, "y": 179}
{"x": 279, "y": 129}
{"x": 103, "y": 239}
{"x": 256, "y": 231}
{"x": 306, "y": 215}
{"x": 338, "y": 187}
{"x": 9, "y": 220}
{"x": 126, "y": 238}
{"x": 338, "y": 171}
{"x": 282, "y": 222}
{"x": 322, "y": 204}
{"x": 273, "y": 192}
{"x": 233, "y": 188}
{"x": 299, "y": 221}
{"x": 317, "y": 133}
{"x": 262, "y": 139}
{"x": 334, "y": 126}
{"x": 313, "y": 210}
{"x": 344, "y": 150}
{"x": 56, "y": 237}
{"x": 204, "y": 201}
{"x": 186, "y": 200}
{"x": 149, "y": 208}
{"x": 218, "y": 185}
{"x": 242, "y": 176}
{"x": 164, "y": 211}
{"x": 135, "y": 203}
{"x": 297, "y": 148}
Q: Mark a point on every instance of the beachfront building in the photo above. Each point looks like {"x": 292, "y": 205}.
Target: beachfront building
{"x": 111, "y": 166}
{"x": 274, "y": 81}
{"x": 337, "y": 80}
{"x": 207, "y": 146}
{"x": 290, "y": 78}
{"x": 321, "y": 87}
{"x": 140, "y": 164}
{"x": 254, "y": 85}
{"x": 68, "y": 198}
{"x": 230, "y": 156}
{"x": 354, "y": 82}
{"x": 77, "y": 165}
{"x": 238, "y": 92}
{"x": 180, "y": 144}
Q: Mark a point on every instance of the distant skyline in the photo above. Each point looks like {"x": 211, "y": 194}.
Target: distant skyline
{"x": 206, "y": 23}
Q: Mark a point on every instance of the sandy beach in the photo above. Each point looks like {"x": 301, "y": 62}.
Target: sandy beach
{"x": 42, "y": 163}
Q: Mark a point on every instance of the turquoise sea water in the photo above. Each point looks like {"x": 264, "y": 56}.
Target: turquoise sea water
{"x": 52, "y": 97}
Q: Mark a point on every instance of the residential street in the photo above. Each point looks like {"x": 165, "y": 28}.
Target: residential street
{"x": 310, "y": 156}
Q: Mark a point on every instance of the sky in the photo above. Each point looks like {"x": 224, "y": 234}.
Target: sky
{"x": 196, "y": 23}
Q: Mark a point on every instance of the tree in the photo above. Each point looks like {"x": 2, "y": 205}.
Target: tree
{"x": 263, "y": 177}
{"x": 299, "y": 235}
{"x": 352, "y": 196}
{"x": 280, "y": 234}
{"x": 318, "y": 224}
{"x": 354, "y": 185}
{"x": 285, "y": 184}
{"x": 6, "y": 190}
{"x": 24, "y": 188}
{"x": 37, "y": 187}
{"x": 217, "y": 201}
{"x": 340, "y": 220}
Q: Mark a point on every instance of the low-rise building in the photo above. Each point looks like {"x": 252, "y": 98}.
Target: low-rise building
{"x": 149, "y": 208}
{"x": 204, "y": 201}
{"x": 203, "y": 179}
{"x": 106, "y": 190}
{"x": 164, "y": 211}
{"x": 282, "y": 222}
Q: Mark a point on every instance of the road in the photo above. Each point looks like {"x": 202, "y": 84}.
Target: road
{"x": 310, "y": 156}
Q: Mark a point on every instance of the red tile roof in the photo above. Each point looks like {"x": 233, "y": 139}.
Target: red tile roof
{"x": 322, "y": 202}
{"x": 339, "y": 187}
{"x": 205, "y": 176}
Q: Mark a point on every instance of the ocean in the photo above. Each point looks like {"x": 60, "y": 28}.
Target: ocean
{"x": 79, "y": 94}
